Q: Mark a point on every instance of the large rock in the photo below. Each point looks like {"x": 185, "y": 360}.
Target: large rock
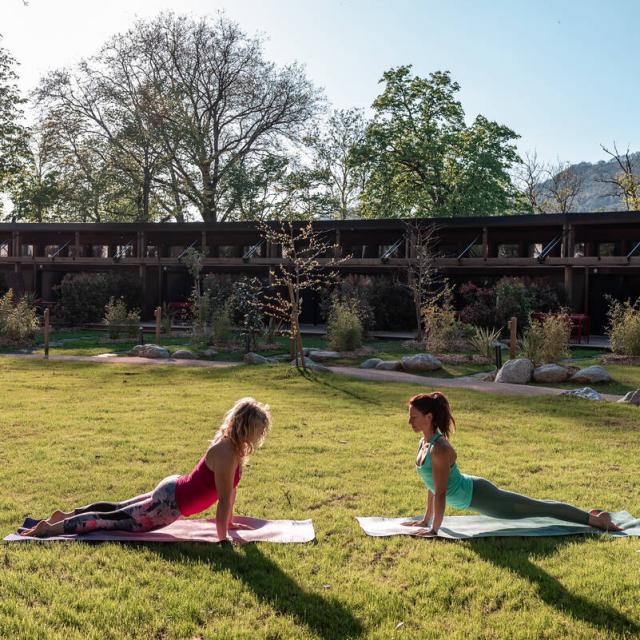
{"x": 183, "y": 354}
{"x": 389, "y": 365}
{"x": 550, "y": 373}
{"x": 586, "y": 392}
{"x": 149, "y": 351}
{"x": 209, "y": 352}
{"x": 371, "y": 363}
{"x": 516, "y": 371}
{"x": 591, "y": 375}
{"x": 633, "y": 397}
{"x": 420, "y": 362}
{"x": 254, "y": 358}
{"x": 321, "y": 356}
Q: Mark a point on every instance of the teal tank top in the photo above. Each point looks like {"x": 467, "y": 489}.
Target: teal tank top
{"x": 459, "y": 487}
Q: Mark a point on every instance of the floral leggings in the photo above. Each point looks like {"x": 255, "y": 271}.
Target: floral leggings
{"x": 146, "y": 512}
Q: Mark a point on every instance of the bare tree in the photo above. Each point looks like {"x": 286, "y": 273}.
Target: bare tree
{"x": 529, "y": 176}
{"x": 307, "y": 263}
{"x": 626, "y": 184}
{"x": 425, "y": 281}
{"x": 564, "y": 186}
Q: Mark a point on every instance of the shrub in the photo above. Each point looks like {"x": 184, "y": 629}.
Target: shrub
{"x": 222, "y": 326}
{"x": 556, "y": 330}
{"x": 483, "y": 341}
{"x": 354, "y": 290}
{"x": 201, "y": 313}
{"x": 344, "y": 327}
{"x": 120, "y": 320}
{"x": 18, "y": 321}
{"x": 442, "y": 331}
{"x": 477, "y": 305}
{"x": 547, "y": 341}
{"x": 623, "y": 327}
{"x": 82, "y": 297}
{"x": 3, "y": 284}
{"x": 512, "y": 300}
{"x": 532, "y": 342}
{"x": 392, "y": 305}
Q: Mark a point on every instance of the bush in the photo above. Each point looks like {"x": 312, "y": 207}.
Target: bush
{"x": 18, "y": 321}
{"x": 344, "y": 327}
{"x": 3, "y": 284}
{"x": 483, "y": 341}
{"x": 84, "y": 296}
{"x": 512, "y": 300}
{"x": 222, "y": 326}
{"x": 623, "y": 327}
{"x": 547, "y": 341}
{"x": 354, "y": 290}
{"x": 478, "y": 305}
{"x": 119, "y": 320}
{"x": 392, "y": 305}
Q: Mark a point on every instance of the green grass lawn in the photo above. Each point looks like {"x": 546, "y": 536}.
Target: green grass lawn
{"x": 74, "y": 432}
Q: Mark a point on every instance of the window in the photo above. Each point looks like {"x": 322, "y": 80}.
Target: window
{"x": 151, "y": 251}
{"x": 579, "y": 249}
{"x": 99, "y": 251}
{"x": 4, "y": 249}
{"x": 535, "y": 249}
{"x": 508, "y": 251}
{"x": 606, "y": 249}
{"x": 227, "y": 251}
{"x": 27, "y": 250}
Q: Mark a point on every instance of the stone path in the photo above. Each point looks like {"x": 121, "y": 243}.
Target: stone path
{"x": 500, "y": 388}
{"x": 206, "y": 364}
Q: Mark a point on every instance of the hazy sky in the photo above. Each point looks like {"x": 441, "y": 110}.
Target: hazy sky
{"x": 563, "y": 74}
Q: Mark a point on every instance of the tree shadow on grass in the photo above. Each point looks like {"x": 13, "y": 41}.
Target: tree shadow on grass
{"x": 340, "y": 384}
{"x": 516, "y": 555}
{"x": 326, "y": 617}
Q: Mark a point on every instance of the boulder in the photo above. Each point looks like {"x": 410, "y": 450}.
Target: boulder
{"x": 483, "y": 376}
{"x": 389, "y": 365}
{"x": 550, "y": 373}
{"x": 420, "y": 362}
{"x": 254, "y": 358}
{"x": 209, "y": 352}
{"x": 586, "y": 392}
{"x": 516, "y": 371}
{"x": 149, "y": 351}
{"x": 633, "y": 397}
{"x": 320, "y": 356}
{"x": 591, "y": 375}
{"x": 183, "y": 354}
{"x": 371, "y": 363}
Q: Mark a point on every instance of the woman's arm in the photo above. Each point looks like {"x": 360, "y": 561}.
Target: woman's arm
{"x": 426, "y": 521}
{"x": 223, "y": 463}
{"x": 440, "y": 465}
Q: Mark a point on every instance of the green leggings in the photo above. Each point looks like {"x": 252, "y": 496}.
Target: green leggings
{"x": 497, "y": 503}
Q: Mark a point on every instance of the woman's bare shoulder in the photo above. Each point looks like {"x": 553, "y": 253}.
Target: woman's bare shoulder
{"x": 221, "y": 454}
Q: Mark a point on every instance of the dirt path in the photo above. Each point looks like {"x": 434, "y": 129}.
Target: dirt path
{"x": 207, "y": 364}
{"x": 455, "y": 383}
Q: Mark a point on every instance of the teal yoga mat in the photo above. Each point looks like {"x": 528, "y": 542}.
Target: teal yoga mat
{"x": 468, "y": 527}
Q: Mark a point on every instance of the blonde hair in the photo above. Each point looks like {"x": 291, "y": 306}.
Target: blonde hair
{"x": 247, "y": 419}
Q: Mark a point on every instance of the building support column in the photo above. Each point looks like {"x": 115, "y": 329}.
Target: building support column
{"x": 485, "y": 242}
{"x": 586, "y": 291}
{"x": 568, "y": 285}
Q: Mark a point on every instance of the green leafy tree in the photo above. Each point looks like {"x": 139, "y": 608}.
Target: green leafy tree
{"x": 13, "y": 136}
{"x": 422, "y": 159}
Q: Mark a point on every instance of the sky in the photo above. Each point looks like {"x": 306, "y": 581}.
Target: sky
{"x": 563, "y": 74}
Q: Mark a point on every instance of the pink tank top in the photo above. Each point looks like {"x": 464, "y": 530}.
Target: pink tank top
{"x": 197, "y": 491}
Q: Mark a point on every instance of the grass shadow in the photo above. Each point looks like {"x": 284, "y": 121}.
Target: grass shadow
{"x": 326, "y": 617}
{"x": 328, "y": 380}
{"x": 515, "y": 555}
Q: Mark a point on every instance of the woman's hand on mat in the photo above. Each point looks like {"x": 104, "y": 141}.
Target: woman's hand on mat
{"x": 416, "y": 523}
{"x": 240, "y": 525}
{"x": 426, "y": 533}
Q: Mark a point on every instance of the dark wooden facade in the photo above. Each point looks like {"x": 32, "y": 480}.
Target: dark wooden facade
{"x": 590, "y": 254}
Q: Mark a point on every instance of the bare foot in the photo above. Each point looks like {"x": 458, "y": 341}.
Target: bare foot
{"x": 602, "y": 520}
{"x": 44, "y": 530}
{"x": 58, "y": 516}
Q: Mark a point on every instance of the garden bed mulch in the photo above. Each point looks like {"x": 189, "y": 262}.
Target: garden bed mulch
{"x": 614, "y": 358}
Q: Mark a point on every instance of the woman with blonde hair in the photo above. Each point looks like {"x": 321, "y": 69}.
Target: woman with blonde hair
{"x": 213, "y": 479}
{"x": 436, "y": 464}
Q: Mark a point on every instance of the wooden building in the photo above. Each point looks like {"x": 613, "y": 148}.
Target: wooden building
{"x": 591, "y": 254}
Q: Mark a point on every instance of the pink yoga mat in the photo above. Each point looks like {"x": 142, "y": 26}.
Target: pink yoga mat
{"x": 281, "y": 531}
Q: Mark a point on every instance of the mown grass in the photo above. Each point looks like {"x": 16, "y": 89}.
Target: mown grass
{"x": 75, "y": 432}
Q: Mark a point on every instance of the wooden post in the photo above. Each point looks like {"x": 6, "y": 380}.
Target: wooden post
{"x": 158, "y": 315}
{"x": 513, "y": 337}
{"x": 46, "y": 334}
